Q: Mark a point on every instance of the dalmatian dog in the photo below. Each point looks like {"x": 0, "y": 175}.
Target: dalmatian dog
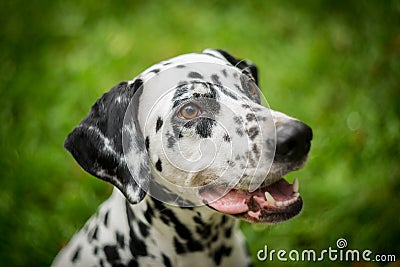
{"x": 190, "y": 149}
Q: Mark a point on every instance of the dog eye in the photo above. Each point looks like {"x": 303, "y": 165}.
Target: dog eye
{"x": 190, "y": 111}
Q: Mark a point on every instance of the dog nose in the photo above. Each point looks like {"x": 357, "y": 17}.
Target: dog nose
{"x": 293, "y": 141}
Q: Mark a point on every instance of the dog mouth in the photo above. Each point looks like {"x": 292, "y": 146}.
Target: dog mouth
{"x": 271, "y": 204}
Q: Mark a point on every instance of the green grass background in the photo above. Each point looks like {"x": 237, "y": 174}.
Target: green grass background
{"x": 333, "y": 64}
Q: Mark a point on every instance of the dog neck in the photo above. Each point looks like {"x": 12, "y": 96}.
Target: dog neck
{"x": 195, "y": 228}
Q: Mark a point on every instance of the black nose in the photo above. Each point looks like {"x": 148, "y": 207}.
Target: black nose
{"x": 293, "y": 141}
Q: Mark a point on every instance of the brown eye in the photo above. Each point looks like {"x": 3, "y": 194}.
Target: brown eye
{"x": 190, "y": 111}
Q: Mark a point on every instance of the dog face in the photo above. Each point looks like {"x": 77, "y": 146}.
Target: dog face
{"x": 192, "y": 130}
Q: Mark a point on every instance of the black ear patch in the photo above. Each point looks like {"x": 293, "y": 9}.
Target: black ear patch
{"x": 96, "y": 143}
{"x": 241, "y": 64}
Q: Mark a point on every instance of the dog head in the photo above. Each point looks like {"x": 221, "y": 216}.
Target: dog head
{"x": 191, "y": 131}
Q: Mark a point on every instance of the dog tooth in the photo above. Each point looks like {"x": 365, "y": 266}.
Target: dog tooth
{"x": 270, "y": 198}
{"x": 296, "y": 185}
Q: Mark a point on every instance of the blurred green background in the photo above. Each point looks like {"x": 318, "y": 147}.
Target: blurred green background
{"x": 333, "y": 64}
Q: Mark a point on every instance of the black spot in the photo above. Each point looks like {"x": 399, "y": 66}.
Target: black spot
{"x": 160, "y": 206}
{"x": 228, "y": 93}
{"x": 93, "y": 234}
{"x": 222, "y": 251}
{"x": 120, "y": 240}
{"x": 194, "y": 245}
{"x": 182, "y": 83}
{"x": 155, "y": 71}
{"x": 159, "y": 124}
{"x": 180, "y": 228}
{"x": 180, "y": 66}
{"x": 204, "y": 231}
{"x": 228, "y": 232}
{"x": 101, "y": 263}
{"x": 198, "y": 220}
{"x": 215, "y": 79}
{"x": 252, "y": 132}
{"x": 224, "y": 219}
{"x": 168, "y": 216}
{"x": 111, "y": 253}
{"x": 205, "y": 95}
{"x": 144, "y": 229}
{"x": 147, "y": 143}
{"x": 165, "y": 219}
{"x": 95, "y": 250}
{"x": 133, "y": 263}
{"x": 237, "y": 86}
{"x": 239, "y": 131}
{"x": 195, "y": 75}
{"x": 106, "y": 218}
{"x": 180, "y": 91}
{"x": 204, "y": 127}
{"x": 136, "y": 245}
{"x": 214, "y": 238}
{"x": 211, "y": 87}
{"x": 148, "y": 214}
{"x": 251, "y": 117}
{"x": 227, "y": 138}
{"x": 76, "y": 254}
{"x": 225, "y": 73}
{"x": 166, "y": 261}
{"x": 129, "y": 213}
{"x": 179, "y": 248}
{"x": 238, "y": 120}
{"x": 219, "y": 253}
{"x": 159, "y": 165}
{"x": 246, "y": 106}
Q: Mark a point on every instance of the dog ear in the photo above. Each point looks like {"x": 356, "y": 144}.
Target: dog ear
{"x": 97, "y": 142}
{"x": 246, "y": 66}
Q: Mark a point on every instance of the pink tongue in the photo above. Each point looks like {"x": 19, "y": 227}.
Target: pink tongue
{"x": 235, "y": 202}
{"x": 231, "y": 203}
